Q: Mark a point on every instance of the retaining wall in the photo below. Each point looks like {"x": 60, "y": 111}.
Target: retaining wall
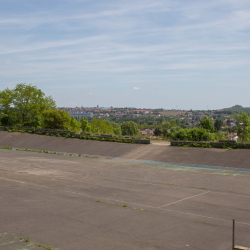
{"x": 214, "y": 144}
{"x": 76, "y": 135}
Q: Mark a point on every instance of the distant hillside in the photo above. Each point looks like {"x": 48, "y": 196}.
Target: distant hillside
{"x": 173, "y": 112}
{"x": 236, "y": 108}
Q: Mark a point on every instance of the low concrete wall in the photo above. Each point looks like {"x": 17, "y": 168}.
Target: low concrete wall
{"x": 77, "y": 135}
{"x": 220, "y": 143}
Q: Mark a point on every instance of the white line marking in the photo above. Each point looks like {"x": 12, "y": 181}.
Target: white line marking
{"x": 216, "y": 192}
{"x": 169, "y": 185}
{"x": 203, "y": 216}
{"x": 146, "y": 183}
{"x": 184, "y": 199}
{"x": 165, "y": 209}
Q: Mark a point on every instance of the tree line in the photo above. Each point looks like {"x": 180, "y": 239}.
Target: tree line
{"x": 26, "y": 105}
{"x": 208, "y": 130}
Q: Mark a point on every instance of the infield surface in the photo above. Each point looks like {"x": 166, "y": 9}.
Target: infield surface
{"x": 74, "y": 202}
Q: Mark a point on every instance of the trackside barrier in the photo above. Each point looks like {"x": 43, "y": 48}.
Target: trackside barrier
{"x": 219, "y": 143}
{"x": 77, "y": 135}
{"x": 235, "y": 247}
{"x": 240, "y": 248}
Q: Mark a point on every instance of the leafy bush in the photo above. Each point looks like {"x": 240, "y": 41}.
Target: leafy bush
{"x": 129, "y": 128}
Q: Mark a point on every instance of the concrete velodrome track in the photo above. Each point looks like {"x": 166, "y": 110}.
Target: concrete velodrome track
{"x": 75, "y": 202}
{"x": 239, "y": 158}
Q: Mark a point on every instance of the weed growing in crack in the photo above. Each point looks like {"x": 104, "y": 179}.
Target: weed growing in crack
{"x": 27, "y": 240}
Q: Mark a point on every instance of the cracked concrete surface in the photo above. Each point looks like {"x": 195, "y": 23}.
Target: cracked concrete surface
{"x": 52, "y": 200}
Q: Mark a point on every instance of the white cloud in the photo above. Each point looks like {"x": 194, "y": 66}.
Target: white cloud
{"x": 51, "y": 44}
{"x": 8, "y": 62}
{"x": 136, "y": 88}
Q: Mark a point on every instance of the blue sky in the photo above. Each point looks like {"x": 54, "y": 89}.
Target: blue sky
{"x": 185, "y": 54}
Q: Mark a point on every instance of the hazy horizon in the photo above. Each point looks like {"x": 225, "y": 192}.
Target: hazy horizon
{"x": 168, "y": 54}
{"x": 113, "y": 107}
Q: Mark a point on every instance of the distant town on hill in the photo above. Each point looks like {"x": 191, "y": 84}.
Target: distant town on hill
{"x": 130, "y": 112}
{"x": 150, "y": 119}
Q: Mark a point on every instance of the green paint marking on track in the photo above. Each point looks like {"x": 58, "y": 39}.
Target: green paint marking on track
{"x": 7, "y": 243}
{"x": 198, "y": 170}
{"x": 175, "y": 167}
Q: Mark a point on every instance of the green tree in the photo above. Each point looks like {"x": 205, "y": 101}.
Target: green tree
{"x": 207, "y": 123}
{"x": 178, "y": 122}
{"x": 74, "y": 125}
{"x": 84, "y": 125}
{"x": 239, "y": 131}
{"x": 116, "y": 128}
{"x": 244, "y": 118}
{"x": 157, "y": 132}
{"x": 190, "y": 134}
{"x": 56, "y": 119}
{"x": 7, "y": 111}
{"x": 218, "y": 124}
{"x": 4, "y": 118}
{"x": 165, "y": 125}
{"x": 94, "y": 128}
{"x": 173, "y": 123}
{"x": 198, "y": 134}
{"x": 23, "y": 104}
{"x": 37, "y": 121}
{"x": 129, "y": 128}
{"x": 165, "y": 133}
{"x": 101, "y": 126}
